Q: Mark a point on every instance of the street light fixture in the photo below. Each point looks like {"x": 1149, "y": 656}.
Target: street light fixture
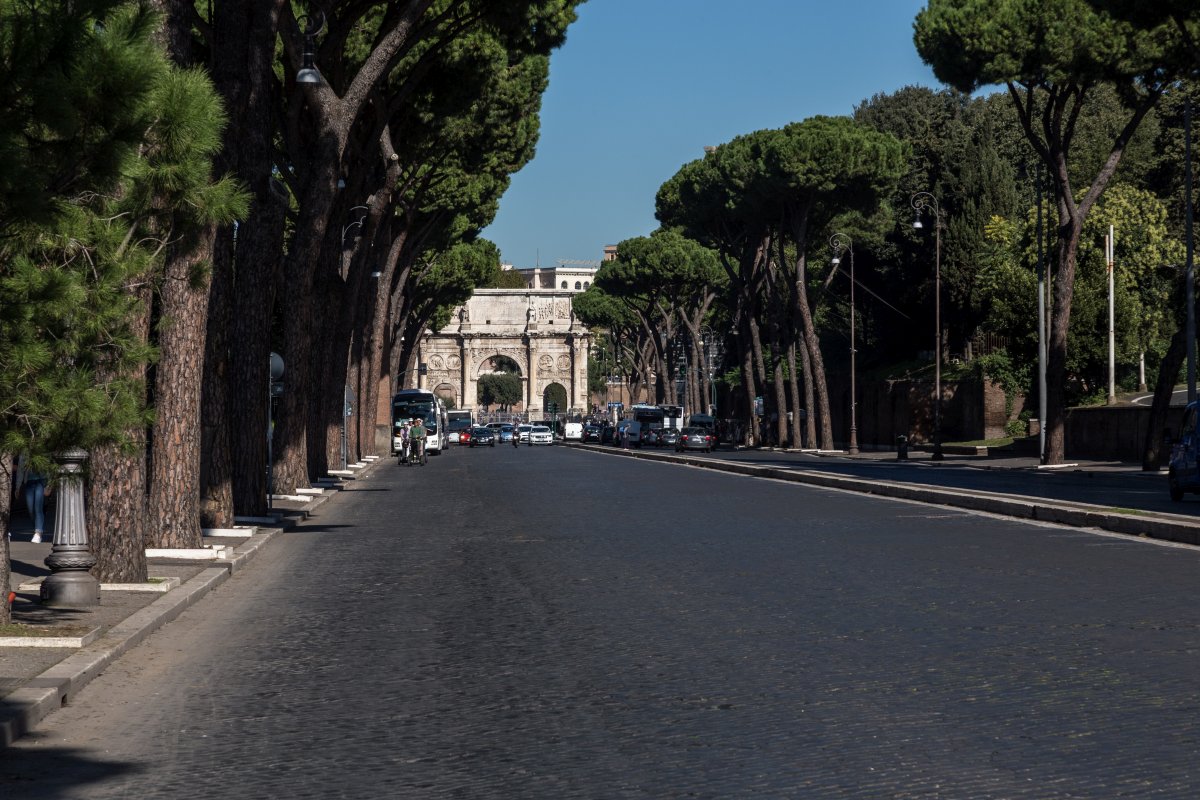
{"x": 309, "y": 74}
{"x": 841, "y": 242}
{"x": 922, "y": 202}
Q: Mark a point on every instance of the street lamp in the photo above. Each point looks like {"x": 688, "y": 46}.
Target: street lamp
{"x": 840, "y": 242}
{"x": 309, "y": 74}
{"x": 923, "y": 201}
{"x": 709, "y": 340}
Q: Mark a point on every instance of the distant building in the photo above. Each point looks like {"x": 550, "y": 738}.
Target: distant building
{"x": 610, "y": 252}
{"x": 566, "y": 276}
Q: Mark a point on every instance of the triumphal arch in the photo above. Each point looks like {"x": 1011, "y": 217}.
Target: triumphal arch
{"x": 533, "y": 329}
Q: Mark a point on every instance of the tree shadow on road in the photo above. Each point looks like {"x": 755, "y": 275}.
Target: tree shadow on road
{"x": 33, "y": 769}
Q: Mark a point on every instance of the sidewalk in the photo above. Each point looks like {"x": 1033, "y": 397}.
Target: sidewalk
{"x": 35, "y": 680}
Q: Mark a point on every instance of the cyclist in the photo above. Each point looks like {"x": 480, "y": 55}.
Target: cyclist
{"x": 416, "y": 436}
{"x": 404, "y": 442}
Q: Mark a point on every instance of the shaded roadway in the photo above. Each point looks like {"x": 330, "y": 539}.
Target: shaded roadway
{"x": 534, "y": 623}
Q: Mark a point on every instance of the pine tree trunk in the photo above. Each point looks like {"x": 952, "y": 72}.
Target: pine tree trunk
{"x": 216, "y": 449}
{"x": 241, "y": 64}
{"x": 1056, "y": 368}
{"x": 117, "y": 507}
{"x": 810, "y": 418}
{"x": 175, "y": 447}
{"x": 794, "y": 391}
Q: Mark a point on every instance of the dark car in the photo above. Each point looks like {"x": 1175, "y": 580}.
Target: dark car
{"x": 1183, "y": 471}
{"x": 591, "y": 433}
{"x": 669, "y": 437}
{"x": 695, "y": 439}
{"x": 606, "y": 434}
{"x": 481, "y": 436}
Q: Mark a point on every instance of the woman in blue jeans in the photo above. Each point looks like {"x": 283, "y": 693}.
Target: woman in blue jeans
{"x": 35, "y": 499}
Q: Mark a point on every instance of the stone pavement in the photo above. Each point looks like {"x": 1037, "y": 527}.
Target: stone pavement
{"x": 35, "y": 680}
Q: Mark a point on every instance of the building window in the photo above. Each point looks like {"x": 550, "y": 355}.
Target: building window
{"x": 564, "y": 284}
{"x": 578, "y": 286}
{"x": 586, "y": 284}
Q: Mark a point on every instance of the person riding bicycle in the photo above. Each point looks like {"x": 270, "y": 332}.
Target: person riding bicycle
{"x": 416, "y": 435}
{"x": 403, "y": 442}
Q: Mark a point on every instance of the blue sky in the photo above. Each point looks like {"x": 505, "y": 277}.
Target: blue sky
{"x": 641, "y": 86}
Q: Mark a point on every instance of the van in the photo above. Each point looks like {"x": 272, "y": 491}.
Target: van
{"x": 630, "y": 428}
{"x": 573, "y": 431}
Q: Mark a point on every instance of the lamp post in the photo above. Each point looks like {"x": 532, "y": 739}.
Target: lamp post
{"x": 710, "y": 345}
{"x": 840, "y": 242}
{"x": 70, "y": 584}
{"x": 309, "y": 74}
{"x": 922, "y": 202}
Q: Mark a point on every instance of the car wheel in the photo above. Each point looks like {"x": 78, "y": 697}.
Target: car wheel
{"x": 1173, "y": 486}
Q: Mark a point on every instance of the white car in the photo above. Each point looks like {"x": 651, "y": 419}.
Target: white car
{"x": 540, "y": 434}
{"x": 573, "y": 431}
{"x": 523, "y": 432}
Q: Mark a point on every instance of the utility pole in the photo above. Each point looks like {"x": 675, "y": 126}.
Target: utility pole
{"x": 1109, "y": 254}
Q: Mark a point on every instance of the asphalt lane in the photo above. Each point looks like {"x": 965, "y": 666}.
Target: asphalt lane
{"x": 553, "y": 623}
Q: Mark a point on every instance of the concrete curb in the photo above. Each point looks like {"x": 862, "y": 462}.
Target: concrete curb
{"x": 22, "y": 709}
{"x": 1168, "y": 527}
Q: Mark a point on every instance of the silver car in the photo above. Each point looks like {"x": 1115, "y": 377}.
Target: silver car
{"x": 695, "y": 439}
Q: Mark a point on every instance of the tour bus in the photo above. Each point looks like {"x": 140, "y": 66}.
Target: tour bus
{"x": 672, "y": 417}
{"x": 648, "y": 417}
{"x": 409, "y": 404}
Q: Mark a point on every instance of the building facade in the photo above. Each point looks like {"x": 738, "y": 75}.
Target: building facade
{"x": 531, "y": 330}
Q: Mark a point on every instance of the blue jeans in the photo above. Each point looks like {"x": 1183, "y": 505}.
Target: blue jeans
{"x": 35, "y": 501}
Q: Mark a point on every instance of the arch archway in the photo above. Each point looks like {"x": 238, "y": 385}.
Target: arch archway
{"x": 555, "y": 393}
{"x": 448, "y": 393}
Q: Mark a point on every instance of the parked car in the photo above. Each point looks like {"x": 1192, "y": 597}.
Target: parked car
{"x": 607, "y": 433}
{"x": 591, "y": 433}
{"x": 650, "y": 437}
{"x": 483, "y": 436}
{"x": 573, "y": 431}
{"x": 1183, "y": 470}
{"x": 456, "y": 428}
{"x": 540, "y": 434}
{"x": 506, "y": 433}
{"x": 669, "y": 438}
{"x": 695, "y": 439}
{"x": 523, "y": 432}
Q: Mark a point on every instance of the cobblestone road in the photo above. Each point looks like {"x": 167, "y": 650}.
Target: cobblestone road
{"x": 546, "y": 623}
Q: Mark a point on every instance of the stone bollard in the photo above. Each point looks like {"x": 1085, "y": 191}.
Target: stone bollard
{"x": 70, "y": 585}
{"x": 901, "y": 448}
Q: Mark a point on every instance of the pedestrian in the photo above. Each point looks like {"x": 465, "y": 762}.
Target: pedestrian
{"x": 36, "y": 489}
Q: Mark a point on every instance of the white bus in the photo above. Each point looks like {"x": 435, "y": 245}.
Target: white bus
{"x": 417, "y": 403}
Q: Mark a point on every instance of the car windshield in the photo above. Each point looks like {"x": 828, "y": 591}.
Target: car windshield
{"x": 541, "y": 429}
{"x": 506, "y": 428}
{"x": 523, "y": 427}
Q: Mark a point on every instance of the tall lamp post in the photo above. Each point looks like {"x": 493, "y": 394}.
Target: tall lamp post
{"x": 709, "y": 342}
{"x": 841, "y": 242}
{"x": 922, "y": 202}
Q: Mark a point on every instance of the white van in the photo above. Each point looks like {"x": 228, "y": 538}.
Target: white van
{"x": 573, "y": 431}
